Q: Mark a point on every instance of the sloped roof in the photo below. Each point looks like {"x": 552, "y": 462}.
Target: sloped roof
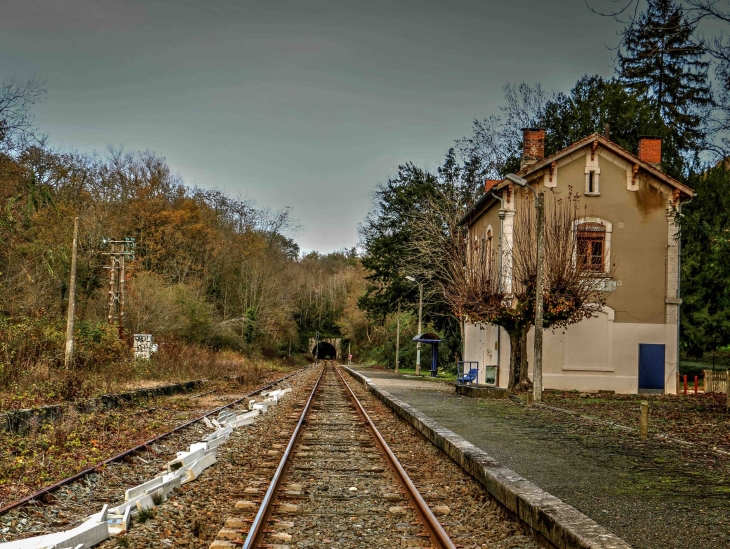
{"x": 614, "y": 148}
{"x": 603, "y": 142}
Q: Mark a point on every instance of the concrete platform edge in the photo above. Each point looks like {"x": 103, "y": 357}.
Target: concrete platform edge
{"x": 550, "y": 519}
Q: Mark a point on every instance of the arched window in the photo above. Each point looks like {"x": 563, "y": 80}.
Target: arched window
{"x": 592, "y": 247}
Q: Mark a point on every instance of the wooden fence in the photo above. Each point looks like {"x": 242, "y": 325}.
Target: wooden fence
{"x": 716, "y": 382}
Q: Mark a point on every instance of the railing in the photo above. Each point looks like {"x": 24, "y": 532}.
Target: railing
{"x": 716, "y": 382}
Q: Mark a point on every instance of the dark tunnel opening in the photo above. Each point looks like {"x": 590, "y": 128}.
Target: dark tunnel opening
{"x": 326, "y": 350}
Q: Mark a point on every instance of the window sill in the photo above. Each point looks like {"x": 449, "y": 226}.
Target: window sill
{"x": 605, "y": 284}
{"x": 592, "y": 194}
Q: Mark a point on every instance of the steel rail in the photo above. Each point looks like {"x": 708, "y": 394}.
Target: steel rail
{"x": 436, "y": 533}
{"x": 48, "y": 489}
{"x": 256, "y": 531}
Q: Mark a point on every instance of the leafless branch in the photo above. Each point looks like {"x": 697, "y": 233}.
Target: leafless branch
{"x": 16, "y": 120}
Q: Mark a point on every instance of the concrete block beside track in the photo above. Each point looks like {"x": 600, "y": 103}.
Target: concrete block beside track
{"x": 548, "y": 518}
{"x": 91, "y": 532}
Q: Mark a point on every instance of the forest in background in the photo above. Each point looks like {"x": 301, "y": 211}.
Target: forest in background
{"x": 210, "y": 272}
{"x": 215, "y": 276}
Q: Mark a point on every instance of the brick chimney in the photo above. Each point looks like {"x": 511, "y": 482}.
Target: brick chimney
{"x": 650, "y": 150}
{"x": 534, "y": 148}
{"x": 489, "y": 184}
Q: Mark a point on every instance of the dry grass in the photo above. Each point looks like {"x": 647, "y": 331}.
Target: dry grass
{"x": 43, "y": 384}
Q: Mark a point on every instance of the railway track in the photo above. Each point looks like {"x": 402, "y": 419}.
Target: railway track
{"x": 44, "y": 493}
{"x": 312, "y": 472}
{"x": 337, "y": 480}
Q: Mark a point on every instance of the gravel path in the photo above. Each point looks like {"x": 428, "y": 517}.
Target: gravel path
{"x": 653, "y": 494}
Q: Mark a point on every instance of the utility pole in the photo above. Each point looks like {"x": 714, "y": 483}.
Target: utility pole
{"x": 420, "y": 316}
{"x": 537, "y": 370}
{"x": 397, "y": 339}
{"x": 120, "y": 251}
{"x": 540, "y": 207}
{"x": 316, "y": 349}
{"x": 69, "y": 355}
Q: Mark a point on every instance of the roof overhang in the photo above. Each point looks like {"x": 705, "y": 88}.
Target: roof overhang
{"x": 488, "y": 198}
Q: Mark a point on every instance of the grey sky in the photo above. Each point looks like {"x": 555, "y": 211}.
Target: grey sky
{"x": 302, "y": 103}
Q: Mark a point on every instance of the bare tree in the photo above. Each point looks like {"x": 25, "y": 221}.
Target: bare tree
{"x": 467, "y": 272}
{"x": 16, "y": 121}
{"x": 498, "y": 137}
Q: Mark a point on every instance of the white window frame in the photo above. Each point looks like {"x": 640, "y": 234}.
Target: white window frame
{"x": 596, "y": 190}
{"x": 592, "y": 166}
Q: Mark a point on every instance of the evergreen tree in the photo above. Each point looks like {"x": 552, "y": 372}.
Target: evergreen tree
{"x": 591, "y": 104}
{"x": 662, "y": 61}
{"x": 400, "y": 204}
{"x": 705, "y": 230}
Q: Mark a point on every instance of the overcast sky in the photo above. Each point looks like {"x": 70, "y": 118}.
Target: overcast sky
{"x": 298, "y": 103}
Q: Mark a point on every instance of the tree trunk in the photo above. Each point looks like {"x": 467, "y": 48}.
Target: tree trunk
{"x": 518, "y": 379}
{"x": 524, "y": 382}
{"x": 462, "y": 330}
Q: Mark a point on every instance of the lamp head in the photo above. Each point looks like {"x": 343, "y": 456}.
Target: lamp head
{"x": 516, "y": 179}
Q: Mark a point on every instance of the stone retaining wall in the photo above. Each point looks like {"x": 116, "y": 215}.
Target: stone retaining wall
{"x": 550, "y": 520}
{"x": 19, "y": 421}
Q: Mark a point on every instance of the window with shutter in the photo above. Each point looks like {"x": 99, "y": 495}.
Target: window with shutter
{"x": 591, "y": 243}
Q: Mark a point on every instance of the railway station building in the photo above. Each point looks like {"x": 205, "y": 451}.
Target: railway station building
{"x": 632, "y": 344}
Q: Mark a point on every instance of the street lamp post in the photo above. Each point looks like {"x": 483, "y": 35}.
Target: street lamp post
{"x": 420, "y": 315}
{"x": 540, "y": 206}
{"x": 397, "y": 340}
{"x": 316, "y": 351}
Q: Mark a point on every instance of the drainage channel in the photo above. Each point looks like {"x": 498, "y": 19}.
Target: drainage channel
{"x": 337, "y": 480}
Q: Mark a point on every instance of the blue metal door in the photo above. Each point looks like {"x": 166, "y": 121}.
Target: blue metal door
{"x": 651, "y": 366}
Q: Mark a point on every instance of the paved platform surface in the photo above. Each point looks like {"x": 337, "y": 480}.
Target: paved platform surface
{"x": 649, "y": 493}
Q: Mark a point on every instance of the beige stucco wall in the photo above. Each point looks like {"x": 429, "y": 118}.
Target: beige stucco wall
{"x": 480, "y": 345}
{"x": 638, "y": 237}
{"x": 599, "y": 354}
{"x": 480, "y": 227}
{"x": 594, "y": 355}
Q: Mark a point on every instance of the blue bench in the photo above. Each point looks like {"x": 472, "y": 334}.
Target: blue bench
{"x": 469, "y": 377}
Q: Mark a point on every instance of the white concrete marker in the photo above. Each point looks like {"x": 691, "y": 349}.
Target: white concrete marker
{"x": 194, "y": 470}
{"x": 216, "y": 442}
{"x": 143, "y": 488}
{"x": 241, "y": 421}
{"x": 86, "y": 535}
{"x": 145, "y": 502}
{"x": 122, "y": 508}
{"x": 185, "y": 458}
{"x": 225, "y": 431}
{"x": 118, "y": 525}
{"x": 263, "y": 406}
{"x": 208, "y": 423}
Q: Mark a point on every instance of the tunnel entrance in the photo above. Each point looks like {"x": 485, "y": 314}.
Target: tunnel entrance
{"x": 326, "y": 350}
